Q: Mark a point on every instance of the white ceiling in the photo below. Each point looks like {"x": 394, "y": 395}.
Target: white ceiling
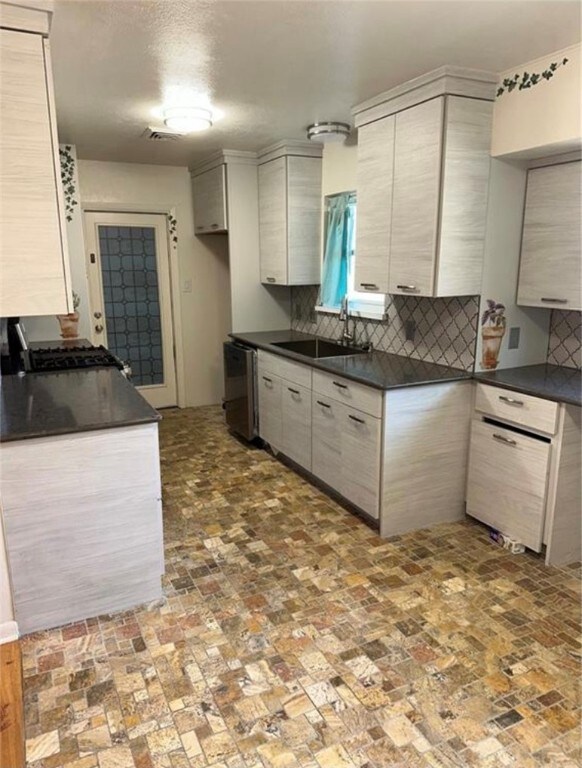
{"x": 270, "y": 67}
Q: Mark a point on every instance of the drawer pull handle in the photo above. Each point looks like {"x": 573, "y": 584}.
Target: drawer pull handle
{"x": 324, "y": 405}
{"x": 369, "y": 286}
{"x": 271, "y": 280}
{"x": 553, "y": 301}
{"x": 267, "y": 379}
{"x": 294, "y": 391}
{"x": 355, "y": 418}
{"x": 341, "y": 386}
{"x": 214, "y": 226}
{"x": 503, "y": 439}
{"x": 511, "y": 400}
{"x": 407, "y": 287}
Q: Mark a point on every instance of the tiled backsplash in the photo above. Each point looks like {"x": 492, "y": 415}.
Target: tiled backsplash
{"x": 565, "y": 344}
{"x": 446, "y": 329}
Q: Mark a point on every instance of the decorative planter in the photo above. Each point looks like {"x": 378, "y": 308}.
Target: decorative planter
{"x": 492, "y": 337}
{"x": 69, "y": 325}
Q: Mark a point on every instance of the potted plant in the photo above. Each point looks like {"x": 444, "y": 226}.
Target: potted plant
{"x": 70, "y": 323}
{"x": 493, "y": 323}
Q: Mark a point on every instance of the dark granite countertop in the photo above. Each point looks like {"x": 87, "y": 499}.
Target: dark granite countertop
{"x": 376, "y": 369}
{"x": 46, "y": 404}
{"x": 553, "y": 382}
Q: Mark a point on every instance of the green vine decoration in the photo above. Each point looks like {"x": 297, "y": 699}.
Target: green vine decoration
{"x": 529, "y": 79}
{"x": 172, "y": 228}
{"x": 68, "y": 180}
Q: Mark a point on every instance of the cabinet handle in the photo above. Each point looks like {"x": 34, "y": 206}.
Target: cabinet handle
{"x": 511, "y": 400}
{"x": 199, "y": 227}
{"x": 271, "y": 280}
{"x": 407, "y": 288}
{"x": 554, "y": 301}
{"x": 325, "y": 405}
{"x": 341, "y": 386}
{"x": 369, "y": 286}
{"x": 214, "y": 226}
{"x": 355, "y": 418}
{"x": 503, "y": 439}
{"x": 267, "y": 379}
{"x": 294, "y": 391}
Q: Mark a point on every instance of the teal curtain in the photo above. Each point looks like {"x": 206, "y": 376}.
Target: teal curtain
{"x": 338, "y": 247}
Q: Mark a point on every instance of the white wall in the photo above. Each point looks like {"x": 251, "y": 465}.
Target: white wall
{"x": 501, "y": 266}
{"x": 545, "y": 119}
{"x": 204, "y": 313}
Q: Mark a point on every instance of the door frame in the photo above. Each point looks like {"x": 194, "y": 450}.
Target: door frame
{"x": 168, "y": 212}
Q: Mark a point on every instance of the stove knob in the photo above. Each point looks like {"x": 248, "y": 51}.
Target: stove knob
{"x": 97, "y": 315}
{"x": 99, "y": 328}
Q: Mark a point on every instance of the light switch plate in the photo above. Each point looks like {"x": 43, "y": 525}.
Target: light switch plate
{"x": 513, "y": 341}
{"x": 409, "y": 330}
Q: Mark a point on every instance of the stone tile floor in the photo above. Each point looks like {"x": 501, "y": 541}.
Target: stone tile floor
{"x": 292, "y": 635}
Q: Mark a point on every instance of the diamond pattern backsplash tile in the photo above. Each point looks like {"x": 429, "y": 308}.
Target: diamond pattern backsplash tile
{"x": 446, "y": 329}
{"x": 565, "y": 344}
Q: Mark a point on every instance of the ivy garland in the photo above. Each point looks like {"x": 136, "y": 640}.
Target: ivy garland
{"x": 68, "y": 180}
{"x": 527, "y": 79}
{"x": 172, "y": 227}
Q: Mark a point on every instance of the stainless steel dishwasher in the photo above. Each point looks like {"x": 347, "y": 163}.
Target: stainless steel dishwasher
{"x": 240, "y": 389}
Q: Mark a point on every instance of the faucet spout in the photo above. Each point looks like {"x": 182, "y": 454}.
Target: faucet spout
{"x": 348, "y": 336}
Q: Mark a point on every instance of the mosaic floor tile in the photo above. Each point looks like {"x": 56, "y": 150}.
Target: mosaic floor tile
{"x": 291, "y": 636}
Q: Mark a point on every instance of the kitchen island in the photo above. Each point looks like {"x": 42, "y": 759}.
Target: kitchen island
{"x": 81, "y": 498}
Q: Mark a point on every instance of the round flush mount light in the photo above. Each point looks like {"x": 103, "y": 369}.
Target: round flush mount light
{"x": 188, "y": 119}
{"x": 325, "y": 133}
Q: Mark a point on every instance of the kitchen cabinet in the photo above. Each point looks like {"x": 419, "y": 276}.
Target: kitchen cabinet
{"x": 209, "y": 192}
{"x": 361, "y": 451}
{"x": 326, "y": 458}
{"x": 550, "y": 273}
{"x": 423, "y": 177}
{"x": 33, "y": 259}
{"x": 375, "y": 170}
{"x": 289, "y": 217}
{"x": 524, "y": 470}
{"x": 296, "y": 423}
{"x": 270, "y": 416}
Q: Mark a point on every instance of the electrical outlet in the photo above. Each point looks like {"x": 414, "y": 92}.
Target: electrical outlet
{"x": 409, "y": 330}
{"x": 513, "y": 341}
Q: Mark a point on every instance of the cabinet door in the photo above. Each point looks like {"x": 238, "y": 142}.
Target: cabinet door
{"x": 304, "y": 220}
{"x": 550, "y": 270}
{"x": 33, "y": 257}
{"x": 273, "y": 221}
{"x": 507, "y": 481}
{"x": 360, "y": 470}
{"x": 374, "y": 186}
{"x": 270, "y": 421}
{"x": 326, "y": 439}
{"x": 296, "y": 427}
{"x": 209, "y": 191}
{"x": 415, "y": 200}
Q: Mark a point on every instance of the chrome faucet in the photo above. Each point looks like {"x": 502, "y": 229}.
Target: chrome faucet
{"x": 344, "y": 316}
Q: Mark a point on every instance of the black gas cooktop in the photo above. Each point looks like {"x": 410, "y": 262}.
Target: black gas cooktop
{"x": 45, "y": 359}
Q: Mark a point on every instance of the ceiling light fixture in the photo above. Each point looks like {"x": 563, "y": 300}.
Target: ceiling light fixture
{"x": 325, "y": 133}
{"x": 188, "y": 119}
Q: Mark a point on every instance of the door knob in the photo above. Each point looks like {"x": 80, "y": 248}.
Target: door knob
{"x": 99, "y": 328}
{"x": 97, "y": 315}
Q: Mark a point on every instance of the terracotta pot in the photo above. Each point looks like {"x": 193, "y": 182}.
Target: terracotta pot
{"x": 69, "y": 325}
{"x": 492, "y": 336}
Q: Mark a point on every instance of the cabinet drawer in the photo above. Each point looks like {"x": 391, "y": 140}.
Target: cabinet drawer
{"x": 366, "y": 399}
{"x": 360, "y": 467}
{"x": 526, "y": 410}
{"x": 286, "y": 369}
{"x": 507, "y": 481}
{"x": 296, "y": 423}
{"x": 269, "y": 394}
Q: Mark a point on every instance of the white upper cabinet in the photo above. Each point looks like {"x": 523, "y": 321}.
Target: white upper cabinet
{"x": 423, "y": 177}
{"x": 33, "y": 253}
{"x": 209, "y": 190}
{"x": 551, "y": 258}
{"x": 290, "y": 216}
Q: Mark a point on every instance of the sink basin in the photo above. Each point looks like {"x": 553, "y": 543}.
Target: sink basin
{"x": 318, "y": 348}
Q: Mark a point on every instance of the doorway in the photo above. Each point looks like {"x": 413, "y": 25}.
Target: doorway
{"x": 130, "y": 297}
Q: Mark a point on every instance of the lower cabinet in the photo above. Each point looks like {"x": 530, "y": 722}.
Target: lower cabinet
{"x": 270, "y": 417}
{"x": 296, "y": 423}
{"x": 360, "y": 464}
{"x": 326, "y": 459}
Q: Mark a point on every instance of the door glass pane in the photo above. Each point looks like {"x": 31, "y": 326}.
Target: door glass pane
{"x": 132, "y": 302}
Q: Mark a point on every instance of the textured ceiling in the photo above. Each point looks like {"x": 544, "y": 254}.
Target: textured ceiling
{"x": 269, "y": 67}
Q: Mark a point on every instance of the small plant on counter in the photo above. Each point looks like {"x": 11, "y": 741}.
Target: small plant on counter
{"x": 493, "y": 324}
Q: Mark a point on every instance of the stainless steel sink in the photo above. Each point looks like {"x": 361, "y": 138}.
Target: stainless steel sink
{"x": 318, "y": 348}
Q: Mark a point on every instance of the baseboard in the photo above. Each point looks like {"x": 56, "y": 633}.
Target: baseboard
{"x": 8, "y": 632}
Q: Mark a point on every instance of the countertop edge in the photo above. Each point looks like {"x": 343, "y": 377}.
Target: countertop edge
{"x": 56, "y": 432}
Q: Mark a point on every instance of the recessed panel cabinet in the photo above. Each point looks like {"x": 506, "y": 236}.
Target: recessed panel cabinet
{"x": 550, "y": 272}
{"x": 423, "y": 177}
{"x": 209, "y": 190}
{"x": 290, "y": 220}
{"x": 33, "y": 253}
